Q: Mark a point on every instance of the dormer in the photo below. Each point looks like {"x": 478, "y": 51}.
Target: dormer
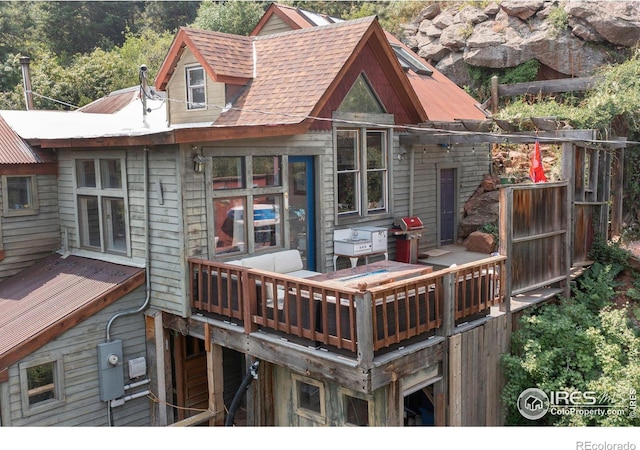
{"x": 202, "y": 72}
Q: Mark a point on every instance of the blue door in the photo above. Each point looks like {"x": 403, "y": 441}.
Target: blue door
{"x": 447, "y": 206}
{"x": 302, "y": 208}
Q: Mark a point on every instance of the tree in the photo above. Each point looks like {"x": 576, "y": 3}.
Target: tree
{"x": 231, "y": 17}
{"x": 579, "y": 345}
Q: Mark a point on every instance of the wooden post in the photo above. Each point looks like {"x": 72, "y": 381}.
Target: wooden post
{"x": 364, "y": 330}
{"x": 495, "y": 95}
{"x": 215, "y": 380}
{"x": 506, "y": 242}
{"x": 455, "y": 380}
{"x": 155, "y": 355}
{"x": 449, "y": 305}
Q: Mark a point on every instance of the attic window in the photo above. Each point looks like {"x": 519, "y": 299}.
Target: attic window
{"x": 409, "y": 61}
{"x": 361, "y": 98}
{"x": 195, "y": 88}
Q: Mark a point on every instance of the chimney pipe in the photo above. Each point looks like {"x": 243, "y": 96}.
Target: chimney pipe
{"x": 26, "y": 79}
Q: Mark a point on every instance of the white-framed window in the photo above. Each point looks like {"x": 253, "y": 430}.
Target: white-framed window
{"x": 20, "y": 195}
{"x": 41, "y": 384}
{"x": 234, "y": 199}
{"x": 196, "y": 95}
{"x": 102, "y": 204}
{"x": 309, "y": 398}
{"x": 362, "y": 171}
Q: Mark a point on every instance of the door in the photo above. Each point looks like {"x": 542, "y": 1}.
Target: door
{"x": 301, "y": 202}
{"x": 447, "y": 206}
{"x": 192, "y": 388}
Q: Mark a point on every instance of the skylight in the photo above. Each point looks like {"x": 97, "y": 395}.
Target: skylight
{"x": 317, "y": 19}
{"x": 407, "y": 60}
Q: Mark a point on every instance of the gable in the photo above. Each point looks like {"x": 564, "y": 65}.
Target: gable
{"x": 396, "y": 97}
{"x": 176, "y": 89}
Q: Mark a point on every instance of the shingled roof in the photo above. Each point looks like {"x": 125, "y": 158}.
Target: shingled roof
{"x": 289, "y": 76}
{"x": 441, "y": 98}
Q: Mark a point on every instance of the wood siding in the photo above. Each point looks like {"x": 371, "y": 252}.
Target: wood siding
{"x": 475, "y": 375}
{"x": 167, "y": 263}
{"x": 471, "y": 164}
{"x": 27, "y": 239}
{"x": 274, "y": 25}
{"x": 177, "y": 92}
{"x": 78, "y": 350}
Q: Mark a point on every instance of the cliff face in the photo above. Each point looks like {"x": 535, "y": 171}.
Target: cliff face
{"x": 568, "y": 38}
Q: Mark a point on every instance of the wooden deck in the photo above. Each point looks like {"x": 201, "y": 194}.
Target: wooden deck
{"x": 361, "y": 319}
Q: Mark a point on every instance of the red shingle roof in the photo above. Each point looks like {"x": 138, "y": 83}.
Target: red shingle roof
{"x": 42, "y": 302}
{"x": 293, "y": 72}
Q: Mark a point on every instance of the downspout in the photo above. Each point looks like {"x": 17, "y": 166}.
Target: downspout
{"x": 146, "y": 245}
{"x": 251, "y": 374}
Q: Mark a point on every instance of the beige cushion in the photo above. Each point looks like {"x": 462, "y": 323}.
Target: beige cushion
{"x": 262, "y": 262}
{"x": 287, "y": 261}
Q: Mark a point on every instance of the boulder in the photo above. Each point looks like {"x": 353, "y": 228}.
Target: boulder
{"x": 480, "y": 242}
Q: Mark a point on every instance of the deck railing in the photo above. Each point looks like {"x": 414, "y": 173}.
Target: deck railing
{"x": 346, "y": 318}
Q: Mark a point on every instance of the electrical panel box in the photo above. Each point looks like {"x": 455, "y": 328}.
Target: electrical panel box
{"x": 110, "y": 370}
{"x": 376, "y": 235}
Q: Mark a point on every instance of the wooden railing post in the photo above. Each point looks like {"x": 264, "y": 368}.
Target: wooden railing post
{"x": 364, "y": 330}
{"x": 449, "y": 305}
{"x": 249, "y": 302}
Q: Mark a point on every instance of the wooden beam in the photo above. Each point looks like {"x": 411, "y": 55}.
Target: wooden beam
{"x": 547, "y": 86}
{"x": 443, "y": 137}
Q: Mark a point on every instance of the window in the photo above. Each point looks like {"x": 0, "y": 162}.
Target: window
{"x": 362, "y": 174}
{"x": 309, "y": 398}
{"x": 234, "y": 200}
{"x": 101, "y": 197}
{"x": 195, "y": 88}
{"x": 361, "y": 98}
{"x": 41, "y": 383}
{"x": 19, "y": 195}
{"x": 356, "y": 411}
{"x": 409, "y": 61}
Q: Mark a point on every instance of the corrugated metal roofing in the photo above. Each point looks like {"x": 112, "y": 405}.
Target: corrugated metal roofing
{"x": 43, "y": 296}
{"x": 113, "y": 102}
{"x": 13, "y": 150}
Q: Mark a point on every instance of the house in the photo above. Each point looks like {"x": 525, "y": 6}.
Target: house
{"x": 29, "y": 225}
{"x": 299, "y": 131}
{"x": 64, "y": 315}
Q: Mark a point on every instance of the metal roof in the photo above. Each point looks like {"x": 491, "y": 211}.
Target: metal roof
{"x": 53, "y": 295}
{"x": 128, "y": 120}
{"x": 13, "y": 150}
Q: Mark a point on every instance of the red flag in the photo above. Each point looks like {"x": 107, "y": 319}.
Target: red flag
{"x": 536, "y": 171}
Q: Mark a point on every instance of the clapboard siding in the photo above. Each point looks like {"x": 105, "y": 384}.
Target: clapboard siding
{"x": 471, "y": 163}
{"x": 274, "y": 25}
{"x": 27, "y": 239}
{"x": 166, "y": 246}
{"x": 78, "y": 348}
{"x": 177, "y": 91}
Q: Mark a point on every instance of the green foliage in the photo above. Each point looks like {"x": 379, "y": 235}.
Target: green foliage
{"x": 234, "y": 17}
{"x": 559, "y": 18}
{"x": 579, "y": 344}
{"x": 481, "y": 77}
{"x": 609, "y": 252}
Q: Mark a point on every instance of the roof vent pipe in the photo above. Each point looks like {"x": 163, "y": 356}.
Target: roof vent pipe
{"x": 26, "y": 80}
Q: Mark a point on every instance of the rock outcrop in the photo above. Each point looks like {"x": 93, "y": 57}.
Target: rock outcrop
{"x": 569, "y": 38}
